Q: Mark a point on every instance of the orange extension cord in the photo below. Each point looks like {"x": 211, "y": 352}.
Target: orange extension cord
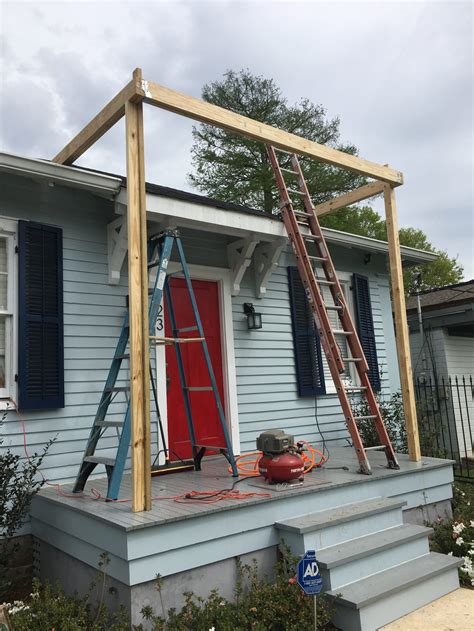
{"x": 247, "y": 464}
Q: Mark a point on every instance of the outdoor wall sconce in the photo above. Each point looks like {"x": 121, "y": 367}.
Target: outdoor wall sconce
{"x": 254, "y": 319}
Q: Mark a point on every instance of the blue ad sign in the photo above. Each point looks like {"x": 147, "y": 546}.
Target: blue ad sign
{"x": 308, "y": 576}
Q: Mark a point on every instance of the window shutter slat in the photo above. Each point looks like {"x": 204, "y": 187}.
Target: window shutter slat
{"x": 309, "y": 365}
{"x": 365, "y": 326}
{"x": 41, "y": 336}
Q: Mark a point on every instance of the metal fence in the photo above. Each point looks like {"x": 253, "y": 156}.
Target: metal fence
{"x": 445, "y": 409}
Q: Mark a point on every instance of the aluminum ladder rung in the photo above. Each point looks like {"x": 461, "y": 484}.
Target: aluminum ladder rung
{"x": 353, "y": 360}
{"x": 123, "y": 356}
{"x": 109, "y": 462}
{"x": 289, "y": 171}
{"x": 296, "y": 192}
{"x": 333, "y": 307}
{"x": 300, "y": 213}
{"x": 365, "y": 418}
{"x": 355, "y": 388}
{"x": 109, "y": 423}
{"x": 341, "y": 332}
{"x": 186, "y": 329}
{"x": 376, "y": 448}
{"x": 311, "y": 237}
{"x": 321, "y": 259}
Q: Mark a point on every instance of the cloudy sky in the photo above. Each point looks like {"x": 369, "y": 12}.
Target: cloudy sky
{"x": 398, "y": 74}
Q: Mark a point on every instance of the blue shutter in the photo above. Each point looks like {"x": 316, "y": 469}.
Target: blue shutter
{"x": 309, "y": 364}
{"x": 365, "y": 326}
{"x": 41, "y": 336}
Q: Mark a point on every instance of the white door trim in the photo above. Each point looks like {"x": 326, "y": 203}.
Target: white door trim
{"x": 223, "y": 278}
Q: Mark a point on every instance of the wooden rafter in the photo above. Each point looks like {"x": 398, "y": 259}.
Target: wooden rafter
{"x": 207, "y": 113}
{"x": 99, "y": 125}
{"x": 357, "y": 195}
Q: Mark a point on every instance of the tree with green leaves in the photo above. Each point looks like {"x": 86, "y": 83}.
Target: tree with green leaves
{"x": 232, "y": 168}
{"x": 236, "y": 169}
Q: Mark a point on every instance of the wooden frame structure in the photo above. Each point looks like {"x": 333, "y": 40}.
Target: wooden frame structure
{"x": 129, "y": 103}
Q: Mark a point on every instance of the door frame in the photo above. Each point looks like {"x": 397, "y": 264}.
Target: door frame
{"x": 222, "y": 277}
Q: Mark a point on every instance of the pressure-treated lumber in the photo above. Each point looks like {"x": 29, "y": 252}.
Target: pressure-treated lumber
{"x": 105, "y": 119}
{"x": 357, "y": 195}
{"x": 179, "y": 103}
{"x": 138, "y": 292}
{"x": 401, "y": 325}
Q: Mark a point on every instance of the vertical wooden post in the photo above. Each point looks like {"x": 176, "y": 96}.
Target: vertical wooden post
{"x": 138, "y": 301}
{"x": 401, "y": 325}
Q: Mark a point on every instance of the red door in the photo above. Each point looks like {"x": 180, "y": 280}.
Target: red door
{"x": 205, "y": 416}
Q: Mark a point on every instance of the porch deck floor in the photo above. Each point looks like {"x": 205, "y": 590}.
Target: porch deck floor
{"x": 214, "y": 476}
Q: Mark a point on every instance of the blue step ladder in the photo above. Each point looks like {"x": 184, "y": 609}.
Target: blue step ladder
{"x": 160, "y": 248}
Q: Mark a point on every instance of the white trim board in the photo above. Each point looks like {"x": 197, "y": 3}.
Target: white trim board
{"x": 223, "y": 278}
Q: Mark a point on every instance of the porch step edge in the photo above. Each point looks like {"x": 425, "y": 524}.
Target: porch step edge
{"x": 339, "y": 515}
{"x": 382, "y": 584}
{"x": 348, "y": 551}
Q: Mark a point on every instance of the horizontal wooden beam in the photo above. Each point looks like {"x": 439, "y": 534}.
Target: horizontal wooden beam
{"x": 105, "y": 119}
{"x": 190, "y": 107}
{"x": 357, "y": 195}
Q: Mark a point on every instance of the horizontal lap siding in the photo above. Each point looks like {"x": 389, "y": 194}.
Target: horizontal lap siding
{"x": 93, "y": 314}
{"x": 266, "y": 374}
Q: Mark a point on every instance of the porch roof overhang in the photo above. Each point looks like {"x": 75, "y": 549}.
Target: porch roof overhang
{"x": 45, "y": 171}
{"x": 195, "y": 211}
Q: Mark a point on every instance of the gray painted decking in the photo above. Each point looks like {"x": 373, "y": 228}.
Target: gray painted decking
{"x": 214, "y": 476}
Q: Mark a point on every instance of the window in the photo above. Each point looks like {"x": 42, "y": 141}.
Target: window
{"x": 8, "y": 310}
{"x": 308, "y": 359}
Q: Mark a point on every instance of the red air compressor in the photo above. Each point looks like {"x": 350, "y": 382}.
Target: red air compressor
{"x": 281, "y": 460}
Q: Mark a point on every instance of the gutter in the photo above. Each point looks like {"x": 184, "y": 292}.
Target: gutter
{"x": 39, "y": 170}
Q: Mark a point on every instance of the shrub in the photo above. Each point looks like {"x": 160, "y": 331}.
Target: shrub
{"x": 260, "y": 605}
{"x": 18, "y": 485}
{"x": 455, "y": 537}
{"x": 391, "y": 407}
{"x": 49, "y": 607}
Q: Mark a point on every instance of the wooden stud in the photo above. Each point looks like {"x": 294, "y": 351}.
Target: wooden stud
{"x": 138, "y": 293}
{"x": 401, "y": 325}
{"x": 357, "y": 195}
{"x": 105, "y": 119}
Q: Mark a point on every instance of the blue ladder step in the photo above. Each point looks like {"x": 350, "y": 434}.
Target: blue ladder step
{"x": 109, "y": 462}
{"x": 109, "y": 423}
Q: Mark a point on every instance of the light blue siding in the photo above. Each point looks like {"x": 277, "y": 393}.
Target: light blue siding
{"x": 266, "y": 374}
{"x": 93, "y": 312}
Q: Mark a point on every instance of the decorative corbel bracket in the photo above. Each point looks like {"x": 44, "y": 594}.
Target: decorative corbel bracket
{"x": 265, "y": 261}
{"x": 117, "y": 246}
{"x": 240, "y": 255}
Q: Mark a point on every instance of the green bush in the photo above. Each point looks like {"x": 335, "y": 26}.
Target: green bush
{"x": 18, "y": 484}
{"x": 455, "y": 537}
{"x": 259, "y": 605}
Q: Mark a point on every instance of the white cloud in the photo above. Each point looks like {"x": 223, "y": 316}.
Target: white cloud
{"x": 399, "y": 75}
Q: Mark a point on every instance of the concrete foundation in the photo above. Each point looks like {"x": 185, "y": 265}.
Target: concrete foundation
{"x": 428, "y": 513}
{"x": 75, "y": 576}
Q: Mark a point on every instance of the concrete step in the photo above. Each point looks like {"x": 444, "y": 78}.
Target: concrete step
{"x": 372, "y": 602}
{"x": 333, "y": 526}
{"x": 356, "y": 559}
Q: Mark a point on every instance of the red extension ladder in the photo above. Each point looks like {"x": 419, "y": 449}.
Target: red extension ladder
{"x": 294, "y": 220}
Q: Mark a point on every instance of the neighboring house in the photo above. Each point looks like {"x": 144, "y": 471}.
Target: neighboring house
{"x": 63, "y": 249}
{"x": 443, "y": 358}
